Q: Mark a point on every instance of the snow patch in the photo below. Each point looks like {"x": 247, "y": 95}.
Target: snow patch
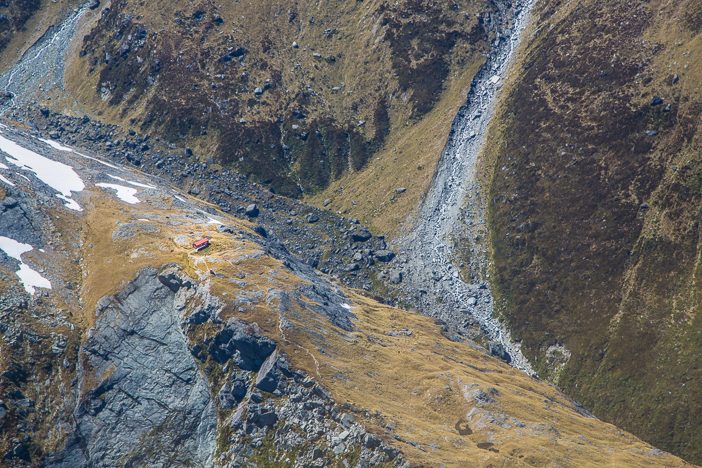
{"x": 212, "y": 221}
{"x": 126, "y": 194}
{"x": 57, "y": 145}
{"x": 30, "y": 279}
{"x": 6, "y": 181}
{"x": 97, "y": 160}
{"x": 346, "y": 306}
{"x": 56, "y": 175}
{"x": 136, "y": 184}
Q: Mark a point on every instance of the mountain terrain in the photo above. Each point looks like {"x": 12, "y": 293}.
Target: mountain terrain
{"x": 442, "y": 233}
{"x": 122, "y": 345}
{"x": 594, "y": 173}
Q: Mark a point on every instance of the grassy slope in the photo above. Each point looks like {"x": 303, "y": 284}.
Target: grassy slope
{"x": 455, "y": 403}
{"x": 407, "y": 160}
{"x": 422, "y": 386}
{"x": 596, "y": 235}
{"x": 381, "y": 63}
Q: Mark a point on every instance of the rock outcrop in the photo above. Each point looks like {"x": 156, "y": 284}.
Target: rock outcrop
{"x": 141, "y": 397}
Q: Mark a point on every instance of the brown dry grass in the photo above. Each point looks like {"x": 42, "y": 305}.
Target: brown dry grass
{"x": 632, "y": 324}
{"x": 415, "y": 383}
{"x": 408, "y": 160}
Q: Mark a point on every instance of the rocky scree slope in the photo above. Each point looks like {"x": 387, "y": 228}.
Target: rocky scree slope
{"x": 119, "y": 345}
{"x": 459, "y": 293}
{"x": 595, "y": 198}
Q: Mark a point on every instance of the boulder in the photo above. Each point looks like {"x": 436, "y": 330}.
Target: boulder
{"x": 245, "y": 349}
{"x": 251, "y": 211}
{"x": 384, "y": 255}
{"x": 396, "y": 277}
{"x": 261, "y": 231}
{"x": 360, "y": 235}
{"x": 234, "y": 390}
{"x": 498, "y": 350}
{"x": 272, "y": 372}
{"x": 9, "y": 202}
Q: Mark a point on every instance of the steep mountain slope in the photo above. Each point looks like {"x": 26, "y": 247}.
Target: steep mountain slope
{"x": 294, "y": 95}
{"x": 595, "y": 197}
{"x": 121, "y": 345}
{"x": 590, "y": 177}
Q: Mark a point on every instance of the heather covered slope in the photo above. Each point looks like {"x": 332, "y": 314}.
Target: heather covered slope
{"x": 293, "y": 94}
{"x": 595, "y": 195}
{"x": 146, "y": 352}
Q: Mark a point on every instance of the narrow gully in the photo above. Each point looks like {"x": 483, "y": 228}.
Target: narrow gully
{"x": 452, "y": 212}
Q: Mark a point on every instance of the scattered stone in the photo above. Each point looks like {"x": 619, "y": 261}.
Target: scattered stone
{"x": 656, "y": 101}
{"x": 396, "y": 277}
{"x": 252, "y": 210}
{"x": 402, "y": 332}
{"x": 311, "y": 218}
{"x": 384, "y": 255}
{"x": 400, "y": 190}
{"x": 352, "y": 267}
{"x": 360, "y": 235}
{"x": 326, "y": 202}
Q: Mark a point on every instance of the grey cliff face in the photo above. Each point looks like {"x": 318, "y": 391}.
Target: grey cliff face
{"x": 143, "y": 400}
{"x": 162, "y": 380}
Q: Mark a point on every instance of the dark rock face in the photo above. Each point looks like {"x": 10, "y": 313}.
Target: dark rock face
{"x": 16, "y": 221}
{"x": 247, "y": 351}
{"x": 143, "y": 398}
